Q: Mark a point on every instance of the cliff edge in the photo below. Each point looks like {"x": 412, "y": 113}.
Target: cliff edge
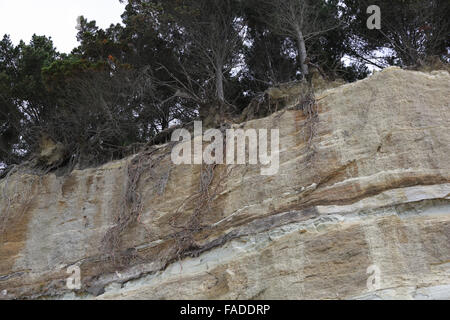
{"x": 358, "y": 210}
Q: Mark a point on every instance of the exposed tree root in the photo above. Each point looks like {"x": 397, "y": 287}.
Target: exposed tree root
{"x": 309, "y": 107}
{"x": 210, "y": 186}
{"x": 209, "y": 189}
{"x": 131, "y": 206}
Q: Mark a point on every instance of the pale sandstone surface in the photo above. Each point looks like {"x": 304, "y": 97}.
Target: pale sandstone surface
{"x": 373, "y": 189}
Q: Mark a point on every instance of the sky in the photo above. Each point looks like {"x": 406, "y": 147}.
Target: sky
{"x": 55, "y": 18}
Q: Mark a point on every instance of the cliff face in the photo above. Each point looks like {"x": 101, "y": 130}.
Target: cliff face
{"x": 361, "y": 212}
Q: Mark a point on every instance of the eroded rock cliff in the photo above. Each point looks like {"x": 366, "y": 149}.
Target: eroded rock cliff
{"x": 369, "y": 197}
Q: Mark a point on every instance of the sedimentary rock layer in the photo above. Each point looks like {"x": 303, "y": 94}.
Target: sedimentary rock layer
{"x": 369, "y": 196}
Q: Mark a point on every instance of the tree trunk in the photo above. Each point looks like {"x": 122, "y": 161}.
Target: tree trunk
{"x": 302, "y": 53}
{"x": 219, "y": 82}
{"x": 164, "y": 123}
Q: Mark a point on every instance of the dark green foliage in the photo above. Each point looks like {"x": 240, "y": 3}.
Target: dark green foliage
{"x": 414, "y": 30}
{"x": 174, "y": 60}
{"x": 9, "y": 113}
{"x": 25, "y": 104}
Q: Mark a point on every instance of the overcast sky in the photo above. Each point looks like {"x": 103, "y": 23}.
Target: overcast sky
{"x": 55, "y": 18}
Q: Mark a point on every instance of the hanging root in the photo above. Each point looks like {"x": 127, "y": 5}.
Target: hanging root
{"x": 210, "y": 187}
{"x": 131, "y": 206}
{"x": 259, "y": 107}
{"x": 309, "y": 107}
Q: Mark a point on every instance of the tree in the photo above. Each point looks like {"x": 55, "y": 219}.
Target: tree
{"x": 174, "y": 60}
{"x": 301, "y": 20}
{"x": 411, "y": 31}
{"x": 150, "y": 47}
{"x": 209, "y": 39}
{"x": 25, "y": 104}
{"x": 267, "y": 54}
{"x": 94, "y": 119}
{"x": 9, "y": 112}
